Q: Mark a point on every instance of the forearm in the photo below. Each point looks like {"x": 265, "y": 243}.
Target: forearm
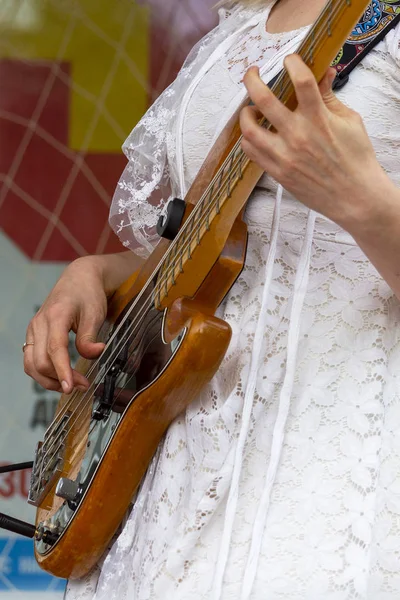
{"x": 379, "y": 235}
{"x": 114, "y": 269}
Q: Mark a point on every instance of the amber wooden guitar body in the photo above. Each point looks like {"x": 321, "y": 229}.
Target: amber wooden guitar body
{"x": 147, "y": 418}
{"x": 95, "y": 455}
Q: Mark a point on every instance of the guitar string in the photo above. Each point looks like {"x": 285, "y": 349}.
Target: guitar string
{"x": 206, "y": 217}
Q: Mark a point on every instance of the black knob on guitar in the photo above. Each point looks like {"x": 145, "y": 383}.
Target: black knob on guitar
{"x": 168, "y": 225}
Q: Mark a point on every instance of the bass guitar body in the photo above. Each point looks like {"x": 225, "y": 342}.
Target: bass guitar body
{"x": 100, "y": 450}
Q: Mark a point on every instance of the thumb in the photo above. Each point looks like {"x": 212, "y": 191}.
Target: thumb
{"x": 330, "y": 99}
{"x": 86, "y": 336}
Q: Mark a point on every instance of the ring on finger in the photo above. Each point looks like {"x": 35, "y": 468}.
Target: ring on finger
{"x": 27, "y": 344}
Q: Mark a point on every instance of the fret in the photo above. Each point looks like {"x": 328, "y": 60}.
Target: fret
{"x": 167, "y": 265}
{"x": 229, "y": 192}
{"x": 180, "y": 243}
{"x": 168, "y": 269}
{"x": 210, "y": 197}
{"x": 190, "y": 238}
{"x": 242, "y": 156}
{"x": 199, "y": 217}
{"x": 165, "y": 271}
{"x": 219, "y": 192}
{"x": 181, "y": 262}
{"x": 173, "y": 261}
{"x": 183, "y": 248}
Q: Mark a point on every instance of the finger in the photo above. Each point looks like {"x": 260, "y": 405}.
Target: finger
{"x": 51, "y": 334}
{"x": 86, "y": 336}
{"x": 306, "y": 87}
{"x": 257, "y": 113}
{"x": 28, "y": 360}
{"x": 273, "y": 110}
{"x": 42, "y": 363}
{"x": 41, "y": 359}
{"x": 47, "y": 383}
{"x": 325, "y": 85}
{"x": 30, "y": 336}
{"x": 57, "y": 349}
{"x": 80, "y": 381}
{"x": 268, "y": 142}
{"x": 261, "y": 159}
{"x": 331, "y": 101}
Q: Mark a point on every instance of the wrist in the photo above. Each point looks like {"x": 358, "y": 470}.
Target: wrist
{"x": 114, "y": 269}
{"x": 111, "y": 270}
{"x": 375, "y": 209}
{"x": 103, "y": 268}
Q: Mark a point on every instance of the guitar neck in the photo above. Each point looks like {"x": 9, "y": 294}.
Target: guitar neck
{"x": 323, "y": 42}
{"x": 205, "y": 231}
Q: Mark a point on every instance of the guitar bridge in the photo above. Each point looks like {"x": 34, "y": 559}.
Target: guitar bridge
{"x": 49, "y": 462}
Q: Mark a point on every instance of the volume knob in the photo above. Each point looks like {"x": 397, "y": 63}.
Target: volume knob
{"x": 67, "y": 489}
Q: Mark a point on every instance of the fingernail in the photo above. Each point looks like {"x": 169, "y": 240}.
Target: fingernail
{"x": 65, "y": 387}
{"x": 81, "y": 388}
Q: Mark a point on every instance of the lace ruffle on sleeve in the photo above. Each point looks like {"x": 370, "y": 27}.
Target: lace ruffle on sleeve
{"x": 144, "y": 187}
{"x": 150, "y": 177}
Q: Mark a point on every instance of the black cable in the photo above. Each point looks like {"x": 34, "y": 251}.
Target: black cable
{"x": 17, "y": 526}
{"x": 16, "y": 467}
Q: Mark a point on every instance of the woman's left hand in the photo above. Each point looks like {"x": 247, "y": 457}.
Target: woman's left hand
{"x": 320, "y": 152}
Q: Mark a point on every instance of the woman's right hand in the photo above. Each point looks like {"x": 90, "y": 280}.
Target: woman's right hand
{"x": 78, "y": 302}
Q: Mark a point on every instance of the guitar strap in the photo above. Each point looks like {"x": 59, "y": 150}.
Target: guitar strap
{"x": 376, "y": 22}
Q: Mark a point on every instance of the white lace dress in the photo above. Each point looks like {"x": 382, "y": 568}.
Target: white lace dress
{"x": 282, "y": 480}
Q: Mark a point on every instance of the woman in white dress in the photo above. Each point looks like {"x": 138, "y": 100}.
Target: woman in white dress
{"x": 282, "y": 480}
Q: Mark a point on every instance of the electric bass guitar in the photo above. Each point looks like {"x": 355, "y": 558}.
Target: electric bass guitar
{"x": 163, "y": 343}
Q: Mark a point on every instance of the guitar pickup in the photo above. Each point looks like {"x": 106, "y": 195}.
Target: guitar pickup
{"x": 106, "y": 400}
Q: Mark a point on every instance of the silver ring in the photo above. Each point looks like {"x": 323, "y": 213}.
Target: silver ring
{"x": 27, "y": 344}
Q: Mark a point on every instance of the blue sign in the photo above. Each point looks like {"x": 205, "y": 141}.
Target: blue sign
{"x": 20, "y": 571}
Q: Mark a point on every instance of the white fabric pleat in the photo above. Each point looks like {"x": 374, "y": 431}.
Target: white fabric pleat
{"x": 299, "y": 293}
{"x": 247, "y": 407}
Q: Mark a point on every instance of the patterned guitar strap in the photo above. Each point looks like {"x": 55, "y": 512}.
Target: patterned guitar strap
{"x": 376, "y": 22}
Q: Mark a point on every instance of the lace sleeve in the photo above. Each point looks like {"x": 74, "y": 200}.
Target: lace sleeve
{"x": 150, "y": 177}
{"x": 144, "y": 187}
{"x": 147, "y": 183}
